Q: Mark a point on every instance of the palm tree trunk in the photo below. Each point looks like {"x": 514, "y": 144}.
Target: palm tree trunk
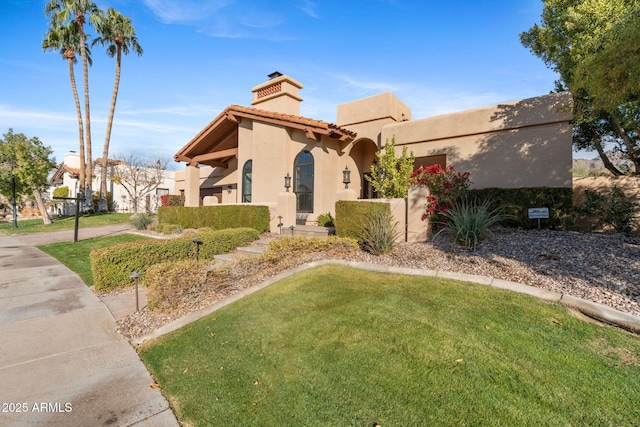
{"x": 87, "y": 112}
{"x": 107, "y": 138}
{"x": 74, "y": 89}
{"x": 41, "y": 207}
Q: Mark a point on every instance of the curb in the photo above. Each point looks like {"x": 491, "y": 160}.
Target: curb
{"x": 591, "y": 309}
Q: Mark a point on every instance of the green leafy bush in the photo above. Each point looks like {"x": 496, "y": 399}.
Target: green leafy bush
{"x": 141, "y": 221}
{"x": 216, "y": 217}
{"x": 391, "y": 176}
{"x": 613, "y": 209}
{"x": 351, "y": 214}
{"x": 171, "y": 200}
{"x": 61, "y": 192}
{"x": 468, "y": 222}
{"x": 326, "y": 220}
{"x": 379, "y": 232}
{"x": 517, "y": 201}
{"x": 111, "y": 266}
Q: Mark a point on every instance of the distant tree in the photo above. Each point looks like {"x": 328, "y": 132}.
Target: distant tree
{"x": 138, "y": 176}
{"x": 73, "y": 15}
{"x": 593, "y": 45}
{"x": 391, "y": 176}
{"x": 30, "y": 162}
{"x": 118, "y": 34}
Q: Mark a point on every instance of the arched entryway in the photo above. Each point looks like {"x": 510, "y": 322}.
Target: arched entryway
{"x": 361, "y": 157}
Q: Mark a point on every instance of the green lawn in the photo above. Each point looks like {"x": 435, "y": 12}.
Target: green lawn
{"x": 65, "y": 223}
{"x": 336, "y": 346}
{"x": 76, "y": 255}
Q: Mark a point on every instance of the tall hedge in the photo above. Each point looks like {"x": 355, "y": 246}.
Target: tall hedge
{"x": 350, "y": 216}
{"x": 216, "y": 217}
{"x": 517, "y": 201}
{"x": 112, "y": 266}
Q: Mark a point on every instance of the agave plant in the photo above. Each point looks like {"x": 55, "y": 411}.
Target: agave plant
{"x": 468, "y": 221}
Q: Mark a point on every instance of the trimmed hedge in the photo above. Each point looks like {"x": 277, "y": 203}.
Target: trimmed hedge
{"x": 112, "y": 266}
{"x": 351, "y": 215}
{"x": 517, "y": 201}
{"x": 216, "y": 217}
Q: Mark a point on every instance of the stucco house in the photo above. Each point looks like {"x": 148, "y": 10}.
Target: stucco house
{"x": 269, "y": 154}
{"x": 67, "y": 175}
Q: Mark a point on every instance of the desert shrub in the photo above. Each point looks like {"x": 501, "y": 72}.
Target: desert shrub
{"x": 288, "y": 247}
{"x": 167, "y": 228}
{"x": 613, "y": 208}
{"x": 517, "y": 201}
{"x": 468, "y": 222}
{"x": 171, "y": 200}
{"x": 379, "y": 232}
{"x": 111, "y": 266}
{"x": 217, "y": 217}
{"x": 351, "y": 214}
{"x": 141, "y": 221}
{"x": 170, "y": 282}
{"x": 325, "y": 220}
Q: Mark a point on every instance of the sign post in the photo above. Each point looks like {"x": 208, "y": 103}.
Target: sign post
{"x": 538, "y": 213}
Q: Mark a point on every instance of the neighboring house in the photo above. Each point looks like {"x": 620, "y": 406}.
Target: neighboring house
{"x": 267, "y": 154}
{"x": 67, "y": 173}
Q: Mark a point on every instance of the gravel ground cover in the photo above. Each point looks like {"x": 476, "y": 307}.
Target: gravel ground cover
{"x": 598, "y": 267}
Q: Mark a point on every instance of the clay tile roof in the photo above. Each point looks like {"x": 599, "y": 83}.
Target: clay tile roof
{"x": 205, "y": 140}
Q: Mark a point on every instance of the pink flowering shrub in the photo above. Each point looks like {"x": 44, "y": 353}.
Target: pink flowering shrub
{"x": 445, "y": 185}
{"x": 172, "y": 200}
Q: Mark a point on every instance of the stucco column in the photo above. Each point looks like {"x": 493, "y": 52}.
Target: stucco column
{"x": 416, "y": 206}
{"x": 192, "y": 185}
{"x": 287, "y": 209}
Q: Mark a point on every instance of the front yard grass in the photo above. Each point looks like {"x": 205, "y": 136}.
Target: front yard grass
{"x": 340, "y": 346}
{"x": 66, "y": 223}
{"x": 76, "y": 255}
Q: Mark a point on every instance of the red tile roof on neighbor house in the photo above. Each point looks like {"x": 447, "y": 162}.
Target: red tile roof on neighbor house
{"x": 217, "y": 143}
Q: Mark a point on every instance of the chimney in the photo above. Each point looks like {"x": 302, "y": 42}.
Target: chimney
{"x": 280, "y": 94}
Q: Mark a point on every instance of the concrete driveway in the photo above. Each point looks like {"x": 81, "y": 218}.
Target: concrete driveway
{"x": 61, "y": 362}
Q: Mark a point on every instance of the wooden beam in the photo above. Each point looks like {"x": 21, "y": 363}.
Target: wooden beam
{"x": 310, "y": 134}
{"x": 202, "y": 158}
{"x": 216, "y": 164}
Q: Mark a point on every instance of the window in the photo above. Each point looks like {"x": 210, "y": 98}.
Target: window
{"x": 246, "y": 181}
{"x": 303, "y": 182}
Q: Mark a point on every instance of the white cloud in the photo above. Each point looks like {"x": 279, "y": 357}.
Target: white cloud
{"x": 185, "y": 11}
{"x": 309, "y": 8}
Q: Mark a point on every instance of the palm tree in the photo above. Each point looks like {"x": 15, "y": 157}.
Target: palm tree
{"x": 73, "y": 13}
{"x": 65, "y": 39}
{"x": 118, "y": 34}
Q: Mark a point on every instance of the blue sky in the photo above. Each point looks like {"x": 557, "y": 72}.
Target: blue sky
{"x": 202, "y": 55}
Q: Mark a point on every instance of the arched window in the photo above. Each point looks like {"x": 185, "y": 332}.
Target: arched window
{"x": 246, "y": 181}
{"x": 303, "y": 182}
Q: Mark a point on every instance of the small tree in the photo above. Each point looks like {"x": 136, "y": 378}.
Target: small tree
{"x": 138, "y": 176}
{"x": 391, "y": 177}
{"x": 29, "y": 162}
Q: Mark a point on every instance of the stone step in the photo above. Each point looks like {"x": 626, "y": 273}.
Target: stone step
{"x": 250, "y": 250}
{"x": 308, "y": 230}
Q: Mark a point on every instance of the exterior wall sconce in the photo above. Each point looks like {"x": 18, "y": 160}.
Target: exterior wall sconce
{"x": 229, "y": 188}
{"x": 287, "y": 182}
{"x": 346, "y": 177}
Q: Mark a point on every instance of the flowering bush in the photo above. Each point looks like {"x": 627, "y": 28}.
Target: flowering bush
{"x": 445, "y": 185}
{"x": 171, "y": 200}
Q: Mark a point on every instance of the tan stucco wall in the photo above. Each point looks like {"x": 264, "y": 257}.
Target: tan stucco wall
{"x": 519, "y": 144}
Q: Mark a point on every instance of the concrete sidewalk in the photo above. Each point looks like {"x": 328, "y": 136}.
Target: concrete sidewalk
{"x": 61, "y": 362}
{"x": 37, "y": 239}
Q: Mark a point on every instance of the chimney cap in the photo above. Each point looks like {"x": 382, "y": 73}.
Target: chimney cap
{"x": 274, "y": 75}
